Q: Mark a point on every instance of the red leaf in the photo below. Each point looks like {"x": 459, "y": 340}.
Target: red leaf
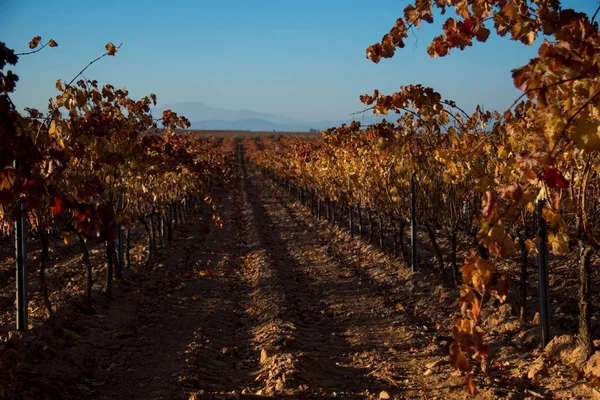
{"x": 467, "y": 26}
{"x": 79, "y": 215}
{"x": 85, "y": 228}
{"x": 57, "y": 206}
{"x": 81, "y": 211}
{"x": 553, "y": 178}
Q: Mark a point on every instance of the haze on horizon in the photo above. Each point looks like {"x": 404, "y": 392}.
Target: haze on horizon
{"x": 301, "y": 60}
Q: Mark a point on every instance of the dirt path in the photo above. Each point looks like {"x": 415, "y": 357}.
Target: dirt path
{"x": 282, "y": 311}
{"x": 346, "y": 327}
{"x": 194, "y": 338}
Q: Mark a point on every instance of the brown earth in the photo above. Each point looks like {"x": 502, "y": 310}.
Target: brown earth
{"x": 276, "y": 304}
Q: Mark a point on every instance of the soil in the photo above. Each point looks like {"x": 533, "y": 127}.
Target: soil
{"x": 276, "y": 304}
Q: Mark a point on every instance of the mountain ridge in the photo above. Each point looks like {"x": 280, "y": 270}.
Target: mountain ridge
{"x": 205, "y": 117}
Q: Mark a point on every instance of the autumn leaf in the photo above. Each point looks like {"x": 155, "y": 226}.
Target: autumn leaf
{"x": 528, "y": 38}
{"x": 52, "y": 43}
{"x": 490, "y": 211}
{"x": 587, "y": 135}
{"x": 57, "y": 205}
{"x": 68, "y": 238}
{"x": 531, "y": 245}
{"x": 470, "y": 303}
{"x": 508, "y": 247}
{"x": 501, "y": 288}
{"x": 80, "y": 213}
{"x": 499, "y": 242}
{"x": 511, "y": 192}
{"x": 52, "y": 131}
{"x": 552, "y": 178}
{"x": 5, "y": 180}
{"x": 206, "y": 272}
{"x": 458, "y": 360}
{"x": 482, "y": 34}
{"x": 110, "y": 49}
{"x": 468, "y": 384}
{"x": 34, "y": 42}
{"x": 559, "y": 242}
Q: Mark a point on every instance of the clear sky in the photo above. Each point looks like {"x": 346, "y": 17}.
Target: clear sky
{"x": 304, "y": 59}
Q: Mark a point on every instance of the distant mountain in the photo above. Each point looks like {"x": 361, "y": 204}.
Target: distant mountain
{"x": 200, "y": 112}
{"x": 203, "y": 116}
{"x": 248, "y": 124}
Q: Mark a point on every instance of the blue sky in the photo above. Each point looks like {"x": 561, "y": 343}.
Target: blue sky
{"x": 301, "y": 59}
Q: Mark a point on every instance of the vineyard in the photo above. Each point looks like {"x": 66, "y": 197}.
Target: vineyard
{"x": 444, "y": 253}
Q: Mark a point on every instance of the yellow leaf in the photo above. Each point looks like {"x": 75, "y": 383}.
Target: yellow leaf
{"x": 399, "y": 307}
{"x": 30, "y": 326}
{"x": 452, "y": 135}
{"x": 482, "y": 274}
{"x": 502, "y": 152}
{"x": 499, "y": 242}
{"x": 206, "y": 272}
{"x": 508, "y": 247}
{"x": 530, "y": 38}
{"x": 52, "y": 131}
{"x": 69, "y": 237}
{"x": 587, "y": 135}
{"x": 532, "y": 245}
{"x": 559, "y": 242}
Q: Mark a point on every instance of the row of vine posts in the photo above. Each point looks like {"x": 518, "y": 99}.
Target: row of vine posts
{"x": 299, "y": 192}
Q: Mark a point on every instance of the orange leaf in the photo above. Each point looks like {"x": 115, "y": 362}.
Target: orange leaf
{"x": 467, "y": 382}
{"x": 111, "y": 49}
{"x": 470, "y": 304}
{"x": 458, "y": 359}
{"x": 34, "y": 42}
